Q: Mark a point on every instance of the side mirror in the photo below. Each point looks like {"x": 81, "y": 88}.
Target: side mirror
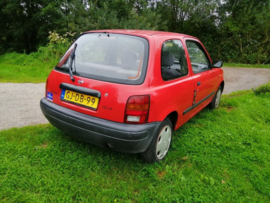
{"x": 217, "y": 64}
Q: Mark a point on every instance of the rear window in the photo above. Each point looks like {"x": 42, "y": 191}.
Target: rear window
{"x": 108, "y": 57}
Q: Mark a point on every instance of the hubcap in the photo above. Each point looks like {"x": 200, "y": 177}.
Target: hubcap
{"x": 163, "y": 141}
{"x": 218, "y": 96}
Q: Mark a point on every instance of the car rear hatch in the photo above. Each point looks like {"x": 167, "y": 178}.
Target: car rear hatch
{"x": 99, "y": 73}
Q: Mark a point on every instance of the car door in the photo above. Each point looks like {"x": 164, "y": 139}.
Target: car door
{"x": 204, "y": 76}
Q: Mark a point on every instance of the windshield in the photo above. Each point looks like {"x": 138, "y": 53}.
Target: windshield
{"x": 108, "y": 57}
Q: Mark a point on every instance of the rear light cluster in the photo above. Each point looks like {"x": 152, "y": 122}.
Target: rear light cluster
{"x": 137, "y": 109}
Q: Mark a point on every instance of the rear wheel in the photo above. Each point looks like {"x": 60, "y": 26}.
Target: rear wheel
{"x": 215, "y": 102}
{"x": 160, "y": 144}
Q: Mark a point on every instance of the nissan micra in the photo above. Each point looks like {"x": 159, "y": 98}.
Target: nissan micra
{"x": 130, "y": 89}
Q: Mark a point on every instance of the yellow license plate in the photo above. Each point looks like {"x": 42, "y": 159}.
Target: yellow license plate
{"x": 81, "y": 99}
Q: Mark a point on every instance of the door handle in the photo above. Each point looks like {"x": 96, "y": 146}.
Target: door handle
{"x": 198, "y": 83}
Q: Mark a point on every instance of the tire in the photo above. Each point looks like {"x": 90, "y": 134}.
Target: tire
{"x": 215, "y": 101}
{"x": 160, "y": 143}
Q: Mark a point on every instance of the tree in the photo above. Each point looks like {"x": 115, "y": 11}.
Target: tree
{"x": 245, "y": 30}
{"x": 25, "y": 23}
{"x": 231, "y": 30}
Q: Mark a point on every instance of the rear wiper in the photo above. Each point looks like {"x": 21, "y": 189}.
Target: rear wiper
{"x": 72, "y": 57}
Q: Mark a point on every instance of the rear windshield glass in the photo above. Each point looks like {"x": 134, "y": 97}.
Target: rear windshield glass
{"x": 108, "y": 57}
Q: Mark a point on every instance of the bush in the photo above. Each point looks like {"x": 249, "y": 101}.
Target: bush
{"x": 264, "y": 89}
{"x": 57, "y": 45}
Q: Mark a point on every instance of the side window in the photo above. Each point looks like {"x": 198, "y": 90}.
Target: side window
{"x": 198, "y": 58}
{"x": 173, "y": 60}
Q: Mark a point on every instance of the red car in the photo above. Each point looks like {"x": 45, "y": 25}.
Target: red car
{"x": 130, "y": 89}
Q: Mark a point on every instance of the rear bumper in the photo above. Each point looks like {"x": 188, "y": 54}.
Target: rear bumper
{"x": 119, "y": 136}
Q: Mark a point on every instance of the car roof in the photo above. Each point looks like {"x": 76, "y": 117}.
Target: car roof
{"x": 141, "y": 32}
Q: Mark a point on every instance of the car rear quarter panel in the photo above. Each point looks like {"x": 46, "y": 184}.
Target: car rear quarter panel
{"x": 177, "y": 95}
{"x": 168, "y": 96}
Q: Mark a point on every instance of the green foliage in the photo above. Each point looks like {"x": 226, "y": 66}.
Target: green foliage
{"x": 244, "y": 31}
{"x": 218, "y": 156}
{"x": 57, "y": 45}
{"x": 246, "y": 65}
{"x": 34, "y": 67}
{"x": 25, "y": 23}
{"x": 235, "y": 31}
{"x": 119, "y": 14}
{"x": 16, "y": 67}
{"x": 232, "y": 31}
{"x": 264, "y": 89}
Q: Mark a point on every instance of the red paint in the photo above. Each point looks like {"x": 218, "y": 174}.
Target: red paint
{"x": 165, "y": 97}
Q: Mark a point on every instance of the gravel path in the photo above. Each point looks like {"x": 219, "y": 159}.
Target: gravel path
{"x": 237, "y": 79}
{"x": 19, "y": 103}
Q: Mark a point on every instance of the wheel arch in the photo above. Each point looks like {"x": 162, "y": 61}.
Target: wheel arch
{"x": 173, "y": 116}
{"x": 222, "y": 84}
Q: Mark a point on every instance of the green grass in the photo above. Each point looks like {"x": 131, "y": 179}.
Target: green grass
{"x": 239, "y": 65}
{"x": 218, "y": 156}
{"x": 22, "y": 68}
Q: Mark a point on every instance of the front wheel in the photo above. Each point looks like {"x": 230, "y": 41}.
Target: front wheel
{"x": 215, "y": 102}
{"x": 160, "y": 144}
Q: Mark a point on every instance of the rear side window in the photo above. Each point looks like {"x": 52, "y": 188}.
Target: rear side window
{"x": 173, "y": 60}
{"x": 109, "y": 57}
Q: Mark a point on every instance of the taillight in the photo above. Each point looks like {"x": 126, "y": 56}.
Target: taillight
{"x": 46, "y": 88}
{"x": 137, "y": 109}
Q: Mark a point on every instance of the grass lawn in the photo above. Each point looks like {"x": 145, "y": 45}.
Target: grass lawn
{"x": 239, "y": 65}
{"x": 218, "y": 156}
{"x": 22, "y": 68}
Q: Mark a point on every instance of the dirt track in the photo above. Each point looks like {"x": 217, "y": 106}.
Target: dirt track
{"x": 19, "y": 103}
